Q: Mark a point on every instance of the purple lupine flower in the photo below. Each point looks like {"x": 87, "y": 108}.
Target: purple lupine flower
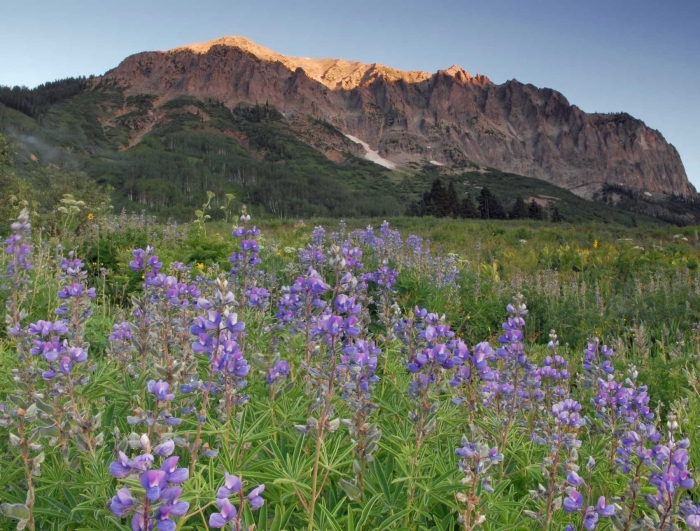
{"x": 590, "y": 519}
{"x": 121, "y": 332}
{"x": 604, "y": 509}
{"x": 574, "y": 479}
{"x": 567, "y": 413}
{"x": 162, "y": 518}
{"x": 232, "y": 484}
{"x": 280, "y": 370}
{"x": 161, "y": 390}
{"x": 122, "y": 467}
{"x": 254, "y": 497}
{"x": 573, "y": 502}
{"x": 122, "y": 503}
{"x": 257, "y": 297}
{"x": 42, "y": 328}
{"x": 18, "y": 248}
{"x": 227, "y": 513}
{"x": 233, "y": 324}
{"x": 165, "y": 449}
{"x": 171, "y": 496}
{"x": 151, "y": 481}
{"x": 172, "y": 473}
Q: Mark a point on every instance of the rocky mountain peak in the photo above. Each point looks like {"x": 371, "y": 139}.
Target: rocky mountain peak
{"x": 450, "y": 118}
{"x": 461, "y": 75}
{"x": 333, "y": 73}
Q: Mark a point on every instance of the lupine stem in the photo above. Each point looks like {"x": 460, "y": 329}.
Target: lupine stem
{"x": 203, "y": 412}
{"x": 633, "y": 501}
{"x": 145, "y": 514}
{"x": 552, "y": 480}
{"x": 241, "y": 504}
{"x": 320, "y": 437}
{"x": 588, "y": 499}
{"x": 84, "y": 424}
{"x": 26, "y": 459}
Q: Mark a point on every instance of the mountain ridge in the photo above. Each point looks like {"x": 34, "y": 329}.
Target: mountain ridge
{"x": 449, "y": 117}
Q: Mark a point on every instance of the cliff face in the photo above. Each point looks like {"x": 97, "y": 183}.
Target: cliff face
{"x": 449, "y": 117}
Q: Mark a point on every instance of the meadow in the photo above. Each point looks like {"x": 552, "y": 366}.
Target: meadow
{"x": 420, "y": 374}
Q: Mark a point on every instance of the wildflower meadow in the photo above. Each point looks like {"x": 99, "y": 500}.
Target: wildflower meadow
{"x": 419, "y": 375}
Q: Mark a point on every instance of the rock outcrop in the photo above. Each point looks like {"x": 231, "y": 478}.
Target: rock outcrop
{"x": 449, "y": 117}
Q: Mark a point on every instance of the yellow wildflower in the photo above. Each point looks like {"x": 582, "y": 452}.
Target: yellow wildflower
{"x": 200, "y": 266}
{"x": 91, "y": 216}
{"x": 595, "y": 244}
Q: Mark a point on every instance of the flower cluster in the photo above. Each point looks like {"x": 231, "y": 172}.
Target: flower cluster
{"x": 18, "y": 247}
{"x": 313, "y": 255}
{"x": 159, "y": 418}
{"x": 358, "y": 378}
{"x": 161, "y": 501}
{"x": 279, "y": 370}
{"x": 575, "y": 503}
{"x": 476, "y": 461}
{"x": 431, "y": 348}
{"x": 470, "y": 373}
{"x": 668, "y": 474}
{"x": 228, "y": 514}
{"x": 147, "y": 262}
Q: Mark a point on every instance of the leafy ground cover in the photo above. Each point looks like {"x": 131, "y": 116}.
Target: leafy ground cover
{"x": 428, "y": 374}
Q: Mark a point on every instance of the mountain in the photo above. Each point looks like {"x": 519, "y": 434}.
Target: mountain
{"x": 300, "y": 137}
{"x": 450, "y": 117}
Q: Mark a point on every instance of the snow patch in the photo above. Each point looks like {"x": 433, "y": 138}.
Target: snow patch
{"x": 436, "y": 163}
{"x": 372, "y": 155}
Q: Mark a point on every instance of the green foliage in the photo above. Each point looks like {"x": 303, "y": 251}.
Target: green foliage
{"x": 639, "y": 288}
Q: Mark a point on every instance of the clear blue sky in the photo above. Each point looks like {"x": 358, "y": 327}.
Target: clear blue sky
{"x": 642, "y": 56}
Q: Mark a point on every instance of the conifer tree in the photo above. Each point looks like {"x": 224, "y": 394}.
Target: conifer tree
{"x": 467, "y": 208}
{"x": 535, "y": 211}
{"x": 489, "y": 205}
{"x": 451, "y": 201}
{"x": 519, "y": 210}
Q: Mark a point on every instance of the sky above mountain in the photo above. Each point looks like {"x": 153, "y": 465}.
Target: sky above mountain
{"x": 641, "y": 57}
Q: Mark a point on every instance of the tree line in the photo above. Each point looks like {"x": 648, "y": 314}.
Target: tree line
{"x": 36, "y": 101}
{"x": 443, "y": 201}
